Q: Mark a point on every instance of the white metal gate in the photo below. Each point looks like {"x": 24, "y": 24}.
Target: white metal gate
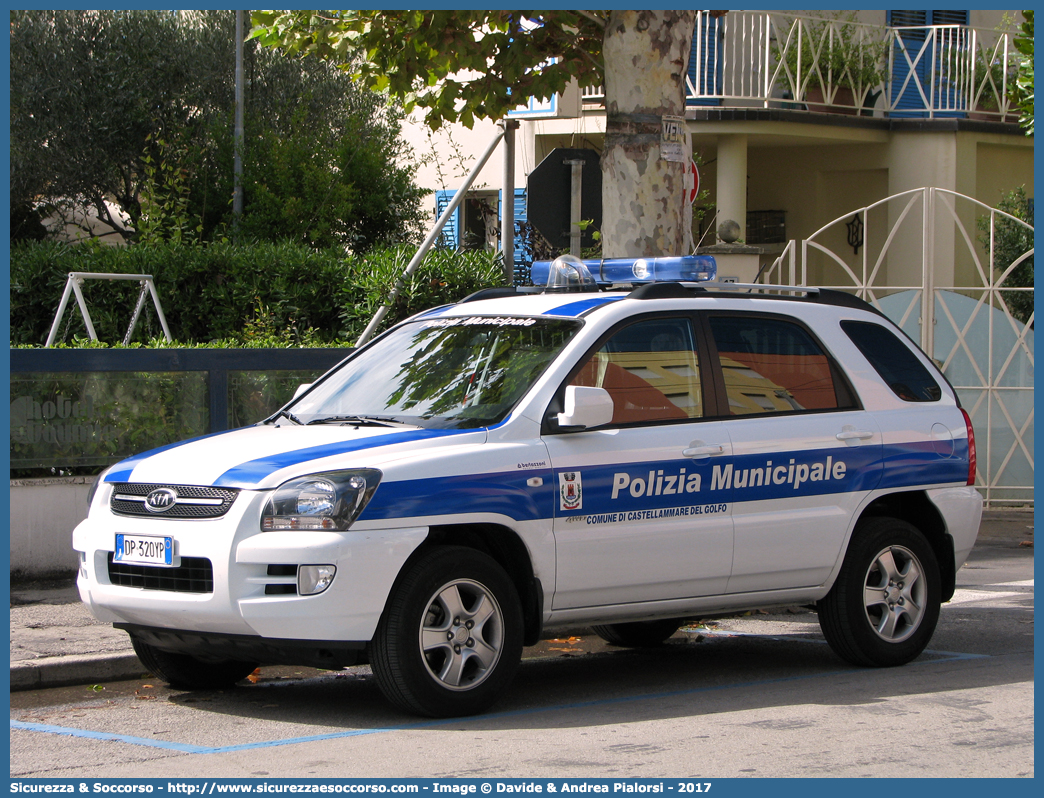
{"x": 967, "y": 312}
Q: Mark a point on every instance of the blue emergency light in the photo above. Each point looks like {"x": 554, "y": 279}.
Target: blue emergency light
{"x": 567, "y": 272}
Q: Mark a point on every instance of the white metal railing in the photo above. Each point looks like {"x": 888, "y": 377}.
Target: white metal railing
{"x": 776, "y": 60}
{"x": 963, "y": 318}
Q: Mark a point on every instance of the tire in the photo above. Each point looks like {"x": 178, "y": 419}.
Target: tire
{"x": 450, "y": 639}
{"x": 884, "y": 606}
{"x": 638, "y": 634}
{"x": 189, "y": 673}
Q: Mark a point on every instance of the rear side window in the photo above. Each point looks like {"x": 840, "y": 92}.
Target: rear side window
{"x": 773, "y": 366}
{"x": 893, "y": 360}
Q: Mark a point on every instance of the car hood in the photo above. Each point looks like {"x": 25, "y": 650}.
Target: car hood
{"x": 265, "y": 456}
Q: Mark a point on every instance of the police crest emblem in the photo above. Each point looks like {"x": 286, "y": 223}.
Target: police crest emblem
{"x": 570, "y": 490}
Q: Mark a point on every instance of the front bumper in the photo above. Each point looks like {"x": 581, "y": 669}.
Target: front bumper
{"x": 326, "y": 654}
{"x": 246, "y": 566}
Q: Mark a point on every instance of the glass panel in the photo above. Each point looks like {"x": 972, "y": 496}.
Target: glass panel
{"x": 893, "y": 360}
{"x": 454, "y": 373}
{"x": 651, "y": 371}
{"x": 98, "y": 418}
{"x": 771, "y": 366}
{"x": 255, "y": 395}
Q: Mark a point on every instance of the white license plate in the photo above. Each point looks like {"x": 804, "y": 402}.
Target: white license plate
{"x": 144, "y": 550}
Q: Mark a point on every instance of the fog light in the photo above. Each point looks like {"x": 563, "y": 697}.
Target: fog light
{"x": 313, "y": 579}
{"x": 83, "y": 564}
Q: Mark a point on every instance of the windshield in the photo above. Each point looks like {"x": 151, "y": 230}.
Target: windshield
{"x": 448, "y": 373}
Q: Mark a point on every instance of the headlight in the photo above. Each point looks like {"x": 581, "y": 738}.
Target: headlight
{"x": 94, "y": 487}
{"x": 320, "y": 501}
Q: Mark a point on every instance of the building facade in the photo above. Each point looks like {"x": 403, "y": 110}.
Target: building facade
{"x": 796, "y": 119}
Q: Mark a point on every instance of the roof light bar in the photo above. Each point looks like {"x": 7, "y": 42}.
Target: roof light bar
{"x": 686, "y": 268}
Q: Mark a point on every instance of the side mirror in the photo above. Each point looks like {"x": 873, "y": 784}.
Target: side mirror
{"x": 302, "y": 388}
{"x": 584, "y": 408}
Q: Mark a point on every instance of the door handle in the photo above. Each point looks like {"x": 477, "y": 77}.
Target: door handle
{"x": 701, "y": 451}
{"x": 849, "y": 433}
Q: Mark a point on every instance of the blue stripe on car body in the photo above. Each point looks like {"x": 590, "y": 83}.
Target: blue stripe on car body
{"x": 121, "y": 472}
{"x": 582, "y": 306}
{"x": 507, "y": 493}
{"x": 252, "y": 473}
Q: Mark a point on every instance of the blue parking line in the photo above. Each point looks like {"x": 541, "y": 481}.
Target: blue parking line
{"x": 183, "y": 748}
{"x": 115, "y": 738}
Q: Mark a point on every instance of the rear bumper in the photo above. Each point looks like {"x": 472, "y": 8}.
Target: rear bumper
{"x": 961, "y": 510}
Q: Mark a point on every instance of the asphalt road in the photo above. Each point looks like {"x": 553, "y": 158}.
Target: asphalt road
{"x": 757, "y": 696}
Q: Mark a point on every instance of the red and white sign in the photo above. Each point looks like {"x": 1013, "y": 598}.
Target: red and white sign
{"x": 692, "y": 183}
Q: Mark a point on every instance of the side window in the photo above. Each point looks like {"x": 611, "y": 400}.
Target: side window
{"x": 650, "y": 369}
{"x": 893, "y": 360}
{"x": 772, "y": 366}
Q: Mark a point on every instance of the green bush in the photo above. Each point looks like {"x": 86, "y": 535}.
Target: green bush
{"x": 236, "y": 295}
{"x": 1011, "y": 241}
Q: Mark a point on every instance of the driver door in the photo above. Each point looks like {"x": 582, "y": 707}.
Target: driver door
{"x": 636, "y": 517}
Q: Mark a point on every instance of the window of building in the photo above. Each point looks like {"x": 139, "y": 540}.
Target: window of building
{"x": 936, "y": 61}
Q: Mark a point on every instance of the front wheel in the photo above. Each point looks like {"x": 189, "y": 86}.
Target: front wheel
{"x": 450, "y": 639}
{"x": 186, "y": 672}
{"x": 884, "y": 606}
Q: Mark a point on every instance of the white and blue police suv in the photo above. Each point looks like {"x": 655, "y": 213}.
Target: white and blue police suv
{"x": 490, "y": 470}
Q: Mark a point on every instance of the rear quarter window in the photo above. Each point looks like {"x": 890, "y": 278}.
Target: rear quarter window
{"x": 894, "y": 361}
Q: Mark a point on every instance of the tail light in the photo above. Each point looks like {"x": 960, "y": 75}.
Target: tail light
{"x": 971, "y": 447}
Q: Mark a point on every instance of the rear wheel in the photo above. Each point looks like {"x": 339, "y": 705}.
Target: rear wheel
{"x": 189, "y": 673}
{"x": 450, "y": 639}
{"x": 638, "y": 634}
{"x": 884, "y": 606}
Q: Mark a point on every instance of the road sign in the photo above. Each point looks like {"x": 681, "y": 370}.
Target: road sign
{"x": 692, "y": 182}
{"x": 548, "y": 195}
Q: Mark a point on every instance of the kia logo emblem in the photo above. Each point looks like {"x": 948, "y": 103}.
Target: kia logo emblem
{"x": 160, "y": 499}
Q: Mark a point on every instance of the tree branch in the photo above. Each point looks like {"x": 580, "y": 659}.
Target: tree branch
{"x": 596, "y": 20}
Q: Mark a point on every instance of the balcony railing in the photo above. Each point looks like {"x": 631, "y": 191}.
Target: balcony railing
{"x": 773, "y": 60}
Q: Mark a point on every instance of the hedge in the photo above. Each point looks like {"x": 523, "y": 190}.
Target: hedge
{"x": 235, "y": 294}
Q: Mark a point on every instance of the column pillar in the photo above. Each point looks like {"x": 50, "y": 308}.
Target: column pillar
{"x": 732, "y": 181}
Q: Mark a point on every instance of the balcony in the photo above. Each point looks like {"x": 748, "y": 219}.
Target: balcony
{"x": 758, "y": 59}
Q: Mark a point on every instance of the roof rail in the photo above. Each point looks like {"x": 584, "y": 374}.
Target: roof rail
{"x": 831, "y": 296}
{"x": 669, "y": 290}
{"x": 682, "y": 290}
{"x": 489, "y": 293}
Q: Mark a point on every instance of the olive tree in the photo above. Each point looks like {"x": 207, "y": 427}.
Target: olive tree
{"x": 127, "y": 115}
{"x": 88, "y": 88}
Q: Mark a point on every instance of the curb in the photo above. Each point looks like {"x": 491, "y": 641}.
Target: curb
{"x": 74, "y": 669}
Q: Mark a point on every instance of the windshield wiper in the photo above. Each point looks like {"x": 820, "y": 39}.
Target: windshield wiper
{"x": 359, "y": 421}
{"x": 284, "y": 414}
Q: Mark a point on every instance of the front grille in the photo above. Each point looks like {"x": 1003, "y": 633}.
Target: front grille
{"x": 194, "y": 575}
{"x": 192, "y": 501}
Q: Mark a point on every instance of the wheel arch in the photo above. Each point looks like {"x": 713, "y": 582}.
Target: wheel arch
{"x": 504, "y": 546}
{"x": 917, "y": 509}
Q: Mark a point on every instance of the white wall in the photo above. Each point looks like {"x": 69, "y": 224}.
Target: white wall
{"x": 43, "y": 514}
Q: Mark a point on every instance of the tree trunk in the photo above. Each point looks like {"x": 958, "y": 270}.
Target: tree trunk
{"x": 644, "y": 212}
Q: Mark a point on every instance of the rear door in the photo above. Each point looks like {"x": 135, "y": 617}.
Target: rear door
{"x": 804, "y": 453}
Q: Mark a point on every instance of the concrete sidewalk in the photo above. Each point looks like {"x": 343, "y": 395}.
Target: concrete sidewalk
{"x": 55, "y": 641}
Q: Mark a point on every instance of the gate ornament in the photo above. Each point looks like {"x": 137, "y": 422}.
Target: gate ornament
{"x": 855, "y": 233}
